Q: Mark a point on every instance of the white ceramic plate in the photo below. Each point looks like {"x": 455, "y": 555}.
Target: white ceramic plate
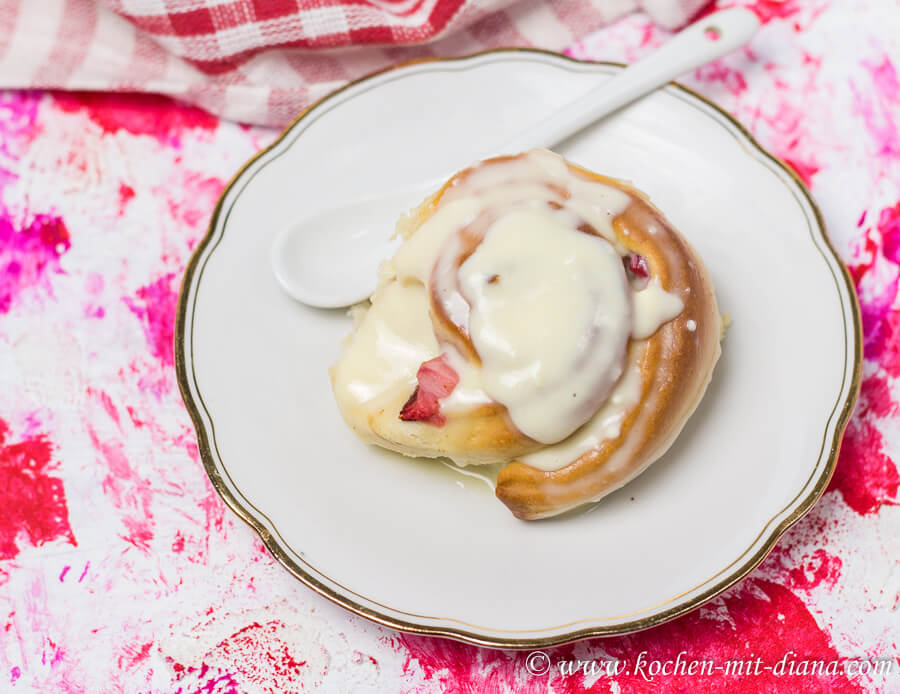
{"x": 413, "y": 545}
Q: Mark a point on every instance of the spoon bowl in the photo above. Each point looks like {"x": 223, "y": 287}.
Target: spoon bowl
{"x": 355, "y": 234}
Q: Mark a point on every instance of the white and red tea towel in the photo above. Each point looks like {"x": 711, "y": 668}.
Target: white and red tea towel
{"x": 262, "y": 61}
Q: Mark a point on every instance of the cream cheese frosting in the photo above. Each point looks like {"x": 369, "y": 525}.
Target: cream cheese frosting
{"x": 543, "y": 297}
{"x": 551, "y": 314}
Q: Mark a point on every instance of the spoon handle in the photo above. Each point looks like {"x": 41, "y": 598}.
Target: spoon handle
{"x": 710, "y": 38}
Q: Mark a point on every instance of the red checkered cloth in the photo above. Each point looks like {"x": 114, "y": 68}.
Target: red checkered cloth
{"x": 263, "y": 61}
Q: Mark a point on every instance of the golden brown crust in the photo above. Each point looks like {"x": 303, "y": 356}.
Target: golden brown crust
{"x": 481, "y": 435}
{"x": 675, "y": 364}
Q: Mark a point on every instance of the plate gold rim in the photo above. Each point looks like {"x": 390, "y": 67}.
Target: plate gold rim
{"x": 281, "y": 555}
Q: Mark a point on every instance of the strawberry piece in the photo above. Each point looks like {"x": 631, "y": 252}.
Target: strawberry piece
{"x": 436, "y": 380}
{"x": 422, "y": 406}
{"x": 637, "y": 264}
{"x": 437, "y": 376}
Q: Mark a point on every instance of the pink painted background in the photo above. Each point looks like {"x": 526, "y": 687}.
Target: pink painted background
{"x": 122, "y": 571}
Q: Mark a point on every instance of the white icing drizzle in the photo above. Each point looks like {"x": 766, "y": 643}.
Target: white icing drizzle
{"x": 416, "y": 258}
{"x": 469, "y": 391}
{"x": 653, "y": 306}
{"x": 550, "y": 319}
{"x": 604, "y": 425}
{"x": 520, "y": 181}
{"x": 556, "y": 321}
{"x": 392, "y": 339}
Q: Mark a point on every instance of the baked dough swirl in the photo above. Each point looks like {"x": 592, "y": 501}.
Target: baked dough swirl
{"x": 539, "y": 317}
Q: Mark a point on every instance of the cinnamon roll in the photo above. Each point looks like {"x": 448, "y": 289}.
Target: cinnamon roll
{"x": 540, "y": 317}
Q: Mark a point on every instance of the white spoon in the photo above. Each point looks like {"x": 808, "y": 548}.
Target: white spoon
{"x": 330, "y": 259}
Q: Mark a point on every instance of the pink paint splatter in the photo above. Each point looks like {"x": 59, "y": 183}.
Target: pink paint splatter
{"x": 876, "y": 309}
{"x": 759, "y": 619}
{"x": 204, "y": 680}
{"x": 865, "y": 476}
{"x": 459, "y": 668}
{"x": 805, "y": 169}
{"x": 138, "y": 114}
{"x": 256, "y": 655}
{"x": 719, "y": 72}
{"x": 196, "y": 547}
{"x": 155, "y": 306}
{"x": 178, "y": 542}
{"x": 129, "y": 493}
{"x": 126, "y": 195}
{"x": 788, "y": 139}
{"x": 106, "y": 401}
{"x": 140, "y": 532}
{"x": 213, "y": 509}
{"x": 93, "y": 285}
{"x": 91, "y": 311}
{"x": 875, "y": 397}
{"x": 816, "y": 569}
{"x": 767, "y": 10}
{"x": 889, "y": 226}
{"x": 879, "y": 107}
{"x": 876, "y": 298}
{"x": 18, "y": 128}
{"x": 33, "y": 501}
{"x": 888, "y": 351}
{"x": 884, "y": 76}
{"x": 56, "y": 653}
{"x": 197, "y": 196}
{"x": 133, "y": 655}
{"x": 877, "y": 285}
{"x": 801, "y": 12}
{"x": 28, "y": 254}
